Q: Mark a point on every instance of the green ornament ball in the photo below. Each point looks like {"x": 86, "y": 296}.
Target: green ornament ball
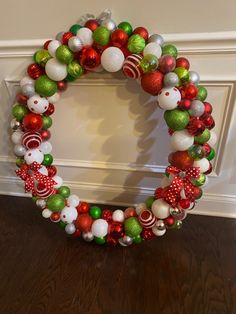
{"x": 47, "y": 160}
{"x": 211, "y": 155}
{"x": 202, "y": 93}
{"x": 176, "y": 119}
{"x": 100, "y": 240}
{"x": 137, "y": 239}
{"x": 200, "y": 181}
{"x": 47, "y": 122}
{"x": 45, "y": 87}
{"x": 132, "y": 227}
{"x": 64, "y": 191}
{"x": 95, "y": 212}
{"x": 203, "y": 137}
{"x": 196, "y": 152}
{"x": 182, "y": 74}
{"x": 19, "y": 161}
{"x": 74, "y": 69}
{"x": 41, "y": 57}
{"x": 101, "y": 36}
{"x": 149, "y": 201}
{"x": 56, "y": 202}
{"x": 70, "y": 78}
{"x": 61, "y": 224}
{"x": 19, "y": 111}
{"x": 149, "y": 63}
{"x": 169, "y": 49}
{"x": 136, "y": 43}
{"x": 74, "y": 28}
{"x": 34, "y": 199}
{"x": 126, "y": 26}
{"x": 64, "y": 54}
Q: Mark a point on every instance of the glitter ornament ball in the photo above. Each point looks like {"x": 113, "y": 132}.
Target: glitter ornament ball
{"x": 152, "y": 82}
{"x": 169, "y": 49}
{"x": 19, "y": 112}
{"x": 64, "y": 54}
{"x": 132, "y": 227}
{"x": 35, "y": 71}
{"x": 141, "y": 31}
{"x": 55, "y": 203}
{"x": 176, "y": 119}
{"x": 156, "y": 38}
{"x": 136, "y": 44}
{"x": 167, "y": 64}
{"x": 45, "y": 87}
{"x": 41, "y": 57}
{"x": 101, "y": 36}
{"x": 171, "y": 79}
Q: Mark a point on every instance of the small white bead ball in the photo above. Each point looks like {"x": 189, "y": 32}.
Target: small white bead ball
{"x": 99, "y": 228}
{"x": 118, "y": 215}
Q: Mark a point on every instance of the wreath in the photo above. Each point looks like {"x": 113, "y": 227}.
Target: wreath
{"x": 98, "y": 44}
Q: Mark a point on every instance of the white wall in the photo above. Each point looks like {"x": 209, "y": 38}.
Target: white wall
{"x": 110, "y": 141}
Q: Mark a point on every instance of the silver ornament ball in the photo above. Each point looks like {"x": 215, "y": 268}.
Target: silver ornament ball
{"x": 160, "y": 225}
{"x": 194, "y": 77}
{"x": 125, "y": 241}
{"x": 28, "y": 90}
{"x": 15, "y": 125}
{"x": 88, "y": 236}
{"x": 75, "y": 44}
{"x": 59, "y": 36}
{"x": 171, "y": 79}
{"x": 156, "y": 38}
{"x": 109, "y": 24}
{"x": 178, "y": 224}
{"x": 19, "y": 150}
{"x": 197, "y": 108}
{"x": 41, "y": 203}
{"x": 70, "y": 228}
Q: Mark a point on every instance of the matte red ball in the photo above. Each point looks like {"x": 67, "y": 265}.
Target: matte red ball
{"x": 89, "y": 58}
{"x": 196, "y": 126}
{"x": 147, "y": 234}
{"x": 141, "y": 31}
{"x": 50, "y": 110}
{"x": 169, "y": 221}
{"x": 208, "y": 107}
{"x": 152, "y": 82}
{"x": 181, "y": 159}
{"x": 65, "y": 38}
{"x": 45, "y": 45}
{"x": 62, "y": 86}
{"x": 184, "y": 203}
{"x": 83, "y": 208}
{"x": 191, "y": 91}
{"x": 45, "y": 134}
{"x": 167, "y": 64}
{"x": 184, "y": 104}
{"x": 35, "y": 71}
{"x": 91, "y": 24}
{"x": 183, "y": 63}
{"x": 107, "y": 215}
{"x": 119, "y": 38}
{"x": 32, "y": 122}
{"x": 84, "y": 222}
{"x": 52, "y": 170}
{"x": 55, "y": 217}
{"x": 22, "y": 99}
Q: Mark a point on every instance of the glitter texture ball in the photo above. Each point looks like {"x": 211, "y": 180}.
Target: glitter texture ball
{"x": 176, "y": 119}
{"x": 45, "y": 87}
{"x": 132, "y": 227}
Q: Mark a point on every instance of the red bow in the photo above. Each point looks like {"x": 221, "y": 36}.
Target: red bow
{"x": 182, "y": 180}
{"x": 30, "y": 174}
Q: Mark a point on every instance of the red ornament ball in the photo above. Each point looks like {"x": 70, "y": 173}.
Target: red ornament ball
{"x": 131, "y": 66}
{"x": 52, "y": 170}
{"x": 84, "y": 222}
{"x": 31, "y": 139}
{"x": 147, "y": 234}
{"x": 208, "y": 120}
{"x": 141, "y": 31}
{"x": 55, "y": 217}
{"x": 45, "y": 134}
{"x": 208, "y": 107}
{"x": 62, "y": 86}
{"x": 184, "y": 203}
{"x": 35, "y": 71}
{"x": 77, "y": 233}
{"x": 116, "y": 229}
{"x": 65, "y": 38}
{"x": 167, "y": 64}
{"x": 119, "y": 38}
{"x": 169, "y": 221}
{"x": 152, "y": 82}
{"x": 191, "y": 91}
{"x": 197, "y": 192}
{"x": 130, "y": 212}
{"x": 184, "y": 104}
{"x": 206, "y": 148}
{"x": 50, "y": 110}
{"x": 45, "y": 45}
{"x": 111, "y": 240}
{"x": 107, "y": 215}
{"x": 89, "y": 58}
{"x": 32, "y": 122}
{"x": 91, "y": 24}
{"x": 195, "y": 126}
{"x": 22, "y": 99}
{"x": 182, "y": 63}
{"x": 181, "y": 160}
{"x": 83, "y": 208}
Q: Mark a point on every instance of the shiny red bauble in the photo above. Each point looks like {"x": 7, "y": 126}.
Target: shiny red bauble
{"x": 62, "y": 86}
{"x": 208, "y": 120}
{"x": 91, "y": 24}
{"x": 77, "y": 233}
{"x": 141, "y": 31}
{"x": 45, "y": 134}
{"x": 116, "y": 229}
{"x": 111, "y": 241}
{"x": 184, "y": 203}
{"x": 184, "y": 104}
{"x": 206, "y": 148}
{"x": 181, "y": 159}
{"x": 45, "y": 45}
{"x": 83, "y": 208}
{"x": 197, "y": 192}
{"x": 182, "y": 63}
{"x": 55, "y": 217}
{"x": 35, "y": 71}
{"x": 21, "y": 99}
{"x": 32, "y": 122}
{"x": 130, "y": 212}
{"x": 65, "y": 37}
{"x": 52, "y": 171}
{"x": 191, "y": 91}
{"x": 147, "y": 234}
{"x": 107, "y": 215}
{"x": 119, "y": 38}
{"x": 208, "y": 107}
{"x": 169, "y": 221}
{"x": 89, "y": 58}
{"x": 196, "y": 126}
{"x": 152, "y": 82}
{"x": 167, "y": 64}
{"x": 50, "y": 110}
{"x": 84, "y": 222}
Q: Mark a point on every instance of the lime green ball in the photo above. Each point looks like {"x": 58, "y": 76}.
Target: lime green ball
{"x": 95, "y": 212}
{"x": 64, "y": 191}
{"x": 149, "y": 63}
{"x": 47, "y": 122}
{"x": 132, "y": 227}
{"x": 211, "y": 155}
{"x": 41, "y": 57}
{"x": 74, "y": 69}
{"x": 149, "y": 201}
{"x": 202, "y": 93}
{"x": 203, "y": 137}
{"x": 47, "y": 160}
{"x": 34, "y": 199}
{"x": 169, "y": 49}
{"x": 56, "y": 202}
{"x": 200, "y": 181}
{"x": 19, "y": 111}
{"x": 101, "y": 36}
{"x": 126, "y": 26}
{"x": 196, "y": 152}
{"x": 137, "y": 239}
{"x": 61, "y": 224}
{"x": 19, "y": 161}
{"x": 100, "y": 240}
{"x": 64, "y": 54}
{"x": 74, "y": 28}
{"x": 45, "y": 87}
{"x": 183, "y": 74}
{"x": 176, "y": 119}
{"x": 136, "y": 43}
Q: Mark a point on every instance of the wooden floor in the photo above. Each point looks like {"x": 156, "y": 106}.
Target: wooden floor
{"x": 189, "y": 271}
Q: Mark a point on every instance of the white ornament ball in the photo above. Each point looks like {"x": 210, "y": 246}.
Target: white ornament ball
{"x": 34, "y": 155}
{"x": 168, "y": 98}
{"x": 112, "y": 59}
{"x": 118, "y": 215}
{"x": 56, "y": 70}
{"x": 37, "y": 104}
{"x": 70, "y": 229}
{"x": 154, "y": 49}
{"x": 46, "y": 147}
{"x": 46, "y": 213}
{"x": 160, "y": 209}
{"x": 26, "y": 81}
{"x": 158, "y": 232}
{"x": 52, "y": 47}
{"x": 54, "y": 98}
{"x": 86, "y": 36}
{"x": 73, "y": 200}
{"x": 181, "y": 140}
{"x": 17, "y": 136}
{"x": 69, "y": 214}
{"x": 58, "y": 180}
{"x": 75, "y": 44}
{"x": 99, "y": 228}
{"x": 202, "y": 163}
{"x": 213, "y": 138}
{"x": 140, "y": 207}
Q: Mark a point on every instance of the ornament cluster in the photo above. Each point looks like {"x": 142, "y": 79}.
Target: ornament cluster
{"x": 96, "y": 45}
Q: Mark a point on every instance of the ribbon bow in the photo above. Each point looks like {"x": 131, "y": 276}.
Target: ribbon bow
{"x": 30, "y": 174}
{"x": 105, "y": 14}
{"x": 182, "y": 181}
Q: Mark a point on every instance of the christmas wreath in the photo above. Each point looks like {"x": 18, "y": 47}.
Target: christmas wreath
{"x": 97, "y": 44}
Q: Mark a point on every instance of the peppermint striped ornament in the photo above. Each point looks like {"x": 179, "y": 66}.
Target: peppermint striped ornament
{"x": 147, "y": 218}
{"x": 31, "y": 140}
{"x": 131, "y": 66}
{"x": 43, "y": 191}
